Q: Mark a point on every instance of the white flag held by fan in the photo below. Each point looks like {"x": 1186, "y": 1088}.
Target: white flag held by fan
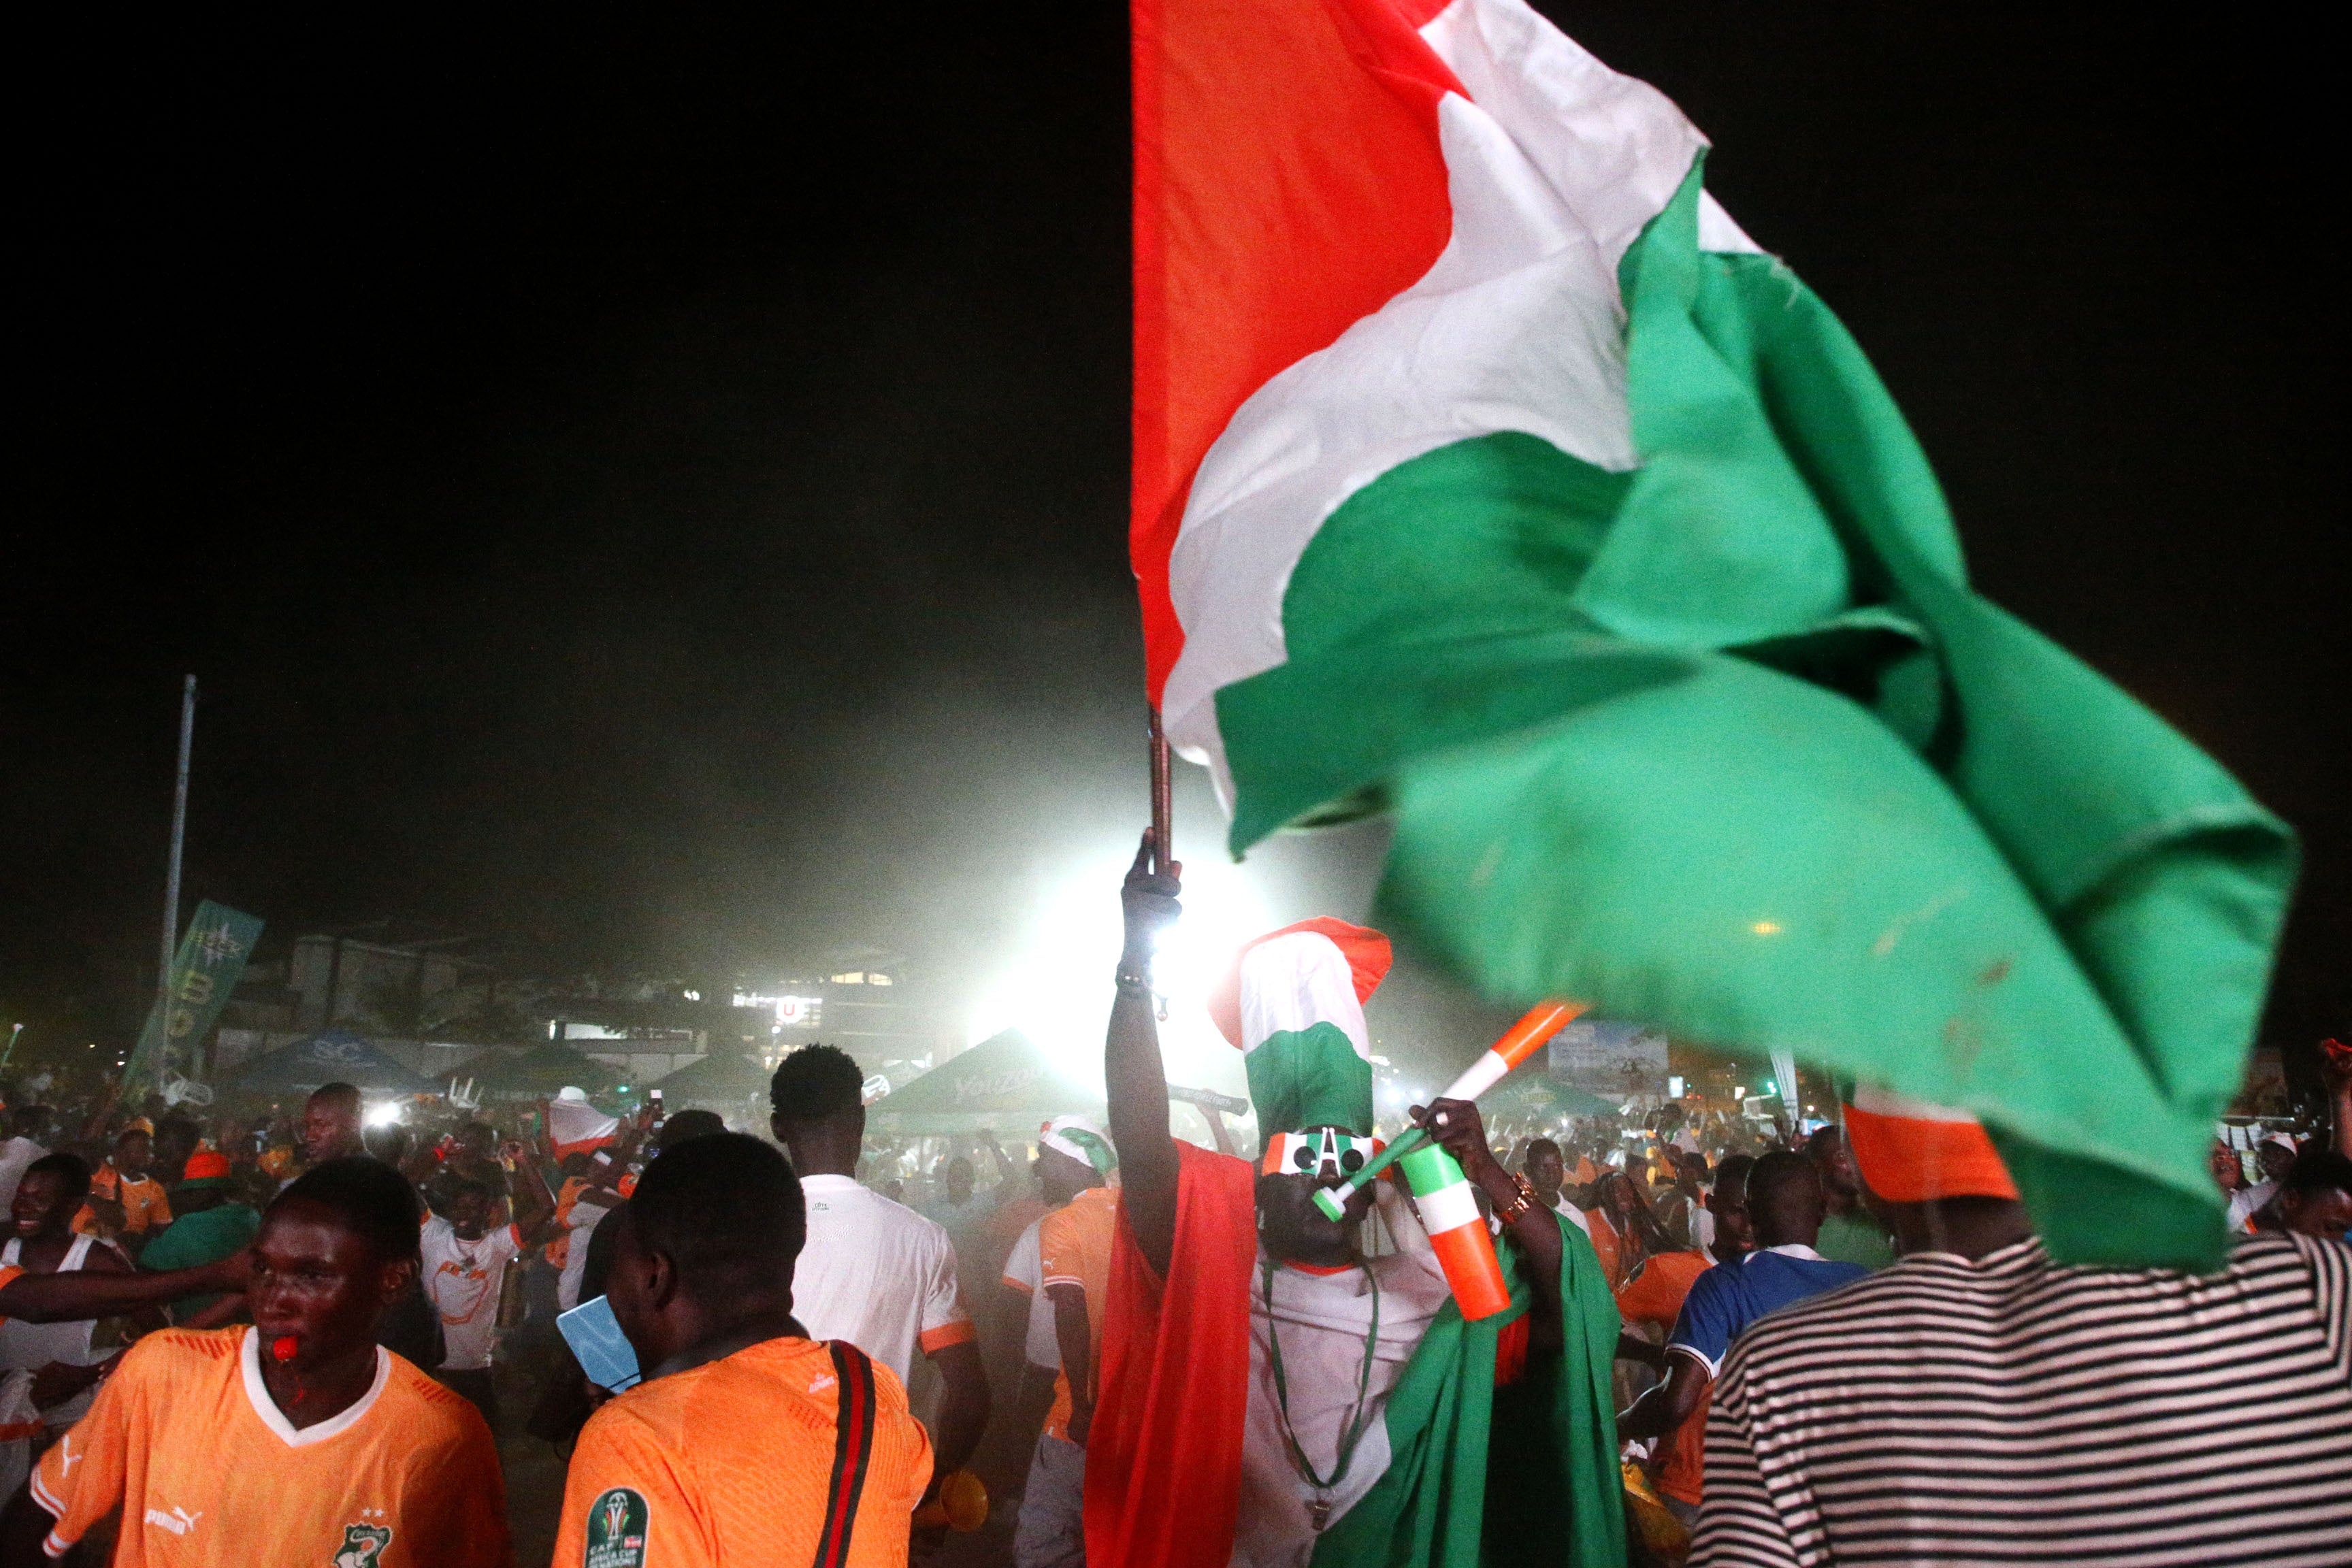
{"x": 574, "y": 1126}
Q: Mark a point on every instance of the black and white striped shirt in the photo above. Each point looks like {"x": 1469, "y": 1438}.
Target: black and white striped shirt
{"x": 2011, "y": 1411}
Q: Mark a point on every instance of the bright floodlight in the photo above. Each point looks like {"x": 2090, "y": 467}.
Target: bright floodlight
{"x": 1056, "y": 987}
{"x": 382, "y": 1115}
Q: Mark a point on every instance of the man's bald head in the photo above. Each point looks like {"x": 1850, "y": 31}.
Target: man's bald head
{"x": 330, "y": 1123}
{"x": 1785, "y": 1200}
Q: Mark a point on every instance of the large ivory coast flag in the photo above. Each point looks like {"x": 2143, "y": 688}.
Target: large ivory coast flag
{"x": 1487, "y": 473}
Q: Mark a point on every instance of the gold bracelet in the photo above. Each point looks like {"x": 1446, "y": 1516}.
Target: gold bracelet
{"x": 1526, "y": 1200}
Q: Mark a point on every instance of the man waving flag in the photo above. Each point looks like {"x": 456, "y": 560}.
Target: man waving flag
{"x": 1487, "y": 473}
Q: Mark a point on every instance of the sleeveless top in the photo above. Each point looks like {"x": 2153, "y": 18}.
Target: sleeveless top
{"x": 31, "y": 1346}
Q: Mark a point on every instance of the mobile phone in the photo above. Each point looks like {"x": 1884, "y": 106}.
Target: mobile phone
{"x": 605, "y": 1352}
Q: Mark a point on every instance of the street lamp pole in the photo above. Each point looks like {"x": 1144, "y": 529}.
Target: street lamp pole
{"x": 171, "y": 941}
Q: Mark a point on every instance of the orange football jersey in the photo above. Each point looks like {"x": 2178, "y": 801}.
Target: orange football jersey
{"x": 1074, "y": 1245}
{"x": 1655, "y": 1296}
{"x": 730, "y": 1464}
{"x": 145, "y": 1205}
{"x": 209, "y": 1473}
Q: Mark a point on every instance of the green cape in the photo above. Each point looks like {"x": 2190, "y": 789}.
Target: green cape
{"x": 1549, "y": 1493}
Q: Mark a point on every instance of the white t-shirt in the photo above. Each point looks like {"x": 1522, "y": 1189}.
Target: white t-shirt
{"x": 876, "y": 1274}
{"x": 463, "y": 1278}
{"x": 1570, "y": 1212}
{"x": 2246, "y": 1200}
{"x": 1322, "y": 1320}
{"x": 582, "y": 1221}
{"x": 28, "y": 1347}
{"x": 1024, "y": 1270}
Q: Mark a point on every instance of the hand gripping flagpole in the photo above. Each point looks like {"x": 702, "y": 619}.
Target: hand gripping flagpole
{"x": 1518, "y": 1043}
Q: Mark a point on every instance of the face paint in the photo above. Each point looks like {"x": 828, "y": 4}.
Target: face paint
{"x": 1326, "y": 1152}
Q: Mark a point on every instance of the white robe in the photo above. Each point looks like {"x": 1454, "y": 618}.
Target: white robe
{"x": 1323, "y": 1320}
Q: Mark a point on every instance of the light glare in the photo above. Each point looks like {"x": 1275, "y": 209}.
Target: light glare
{"x": 1056, "y": 988}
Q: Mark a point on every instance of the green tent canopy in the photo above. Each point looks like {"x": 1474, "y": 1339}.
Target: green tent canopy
{"x": 1004, "y": 1084}
{"x": 726, "y": 1081}
{"x": 536, "y": 1074}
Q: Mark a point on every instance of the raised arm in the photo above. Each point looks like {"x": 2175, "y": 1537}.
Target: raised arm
{"x": 1005, "y": 1169}
{"x": 1132, "y": 1067}
{"x": 419, "y": 1164}
{"x": 534, "y": 1205}
{"x": 1218, "y": 1131}
{"x": 94, "y": 1130}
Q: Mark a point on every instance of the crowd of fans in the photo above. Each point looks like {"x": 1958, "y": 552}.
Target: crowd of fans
{"x": 284, "y": 1339}
{"x": 1668, "y": 1204}
{"x": 372, "y": 1284}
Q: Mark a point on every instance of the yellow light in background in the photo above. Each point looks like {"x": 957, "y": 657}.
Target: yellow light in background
{"x": 1766, "y": 928}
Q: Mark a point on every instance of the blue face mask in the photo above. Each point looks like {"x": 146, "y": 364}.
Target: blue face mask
{"x": 595, "y": 1337}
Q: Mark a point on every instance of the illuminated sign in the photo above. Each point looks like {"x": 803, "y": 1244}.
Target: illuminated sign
{"x": 791, "y": 1012}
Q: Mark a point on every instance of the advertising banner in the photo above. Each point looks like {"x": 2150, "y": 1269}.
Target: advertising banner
{"x": 1612, "y": 1060}
{"x": 212, "y": 956}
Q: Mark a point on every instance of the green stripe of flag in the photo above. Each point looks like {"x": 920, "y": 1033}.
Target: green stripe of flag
{"x": 1728, "y": 746}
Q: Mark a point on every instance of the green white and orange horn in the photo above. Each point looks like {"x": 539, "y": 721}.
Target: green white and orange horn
{"x": 1457, "y": 1232}
{"x": 1518, "y": 1043}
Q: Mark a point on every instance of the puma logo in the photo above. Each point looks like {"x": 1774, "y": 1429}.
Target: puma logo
{"x": 179, "y": 1522}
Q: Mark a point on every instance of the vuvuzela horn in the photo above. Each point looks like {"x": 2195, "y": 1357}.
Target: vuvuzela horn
{"x": 1518, "y": 1043}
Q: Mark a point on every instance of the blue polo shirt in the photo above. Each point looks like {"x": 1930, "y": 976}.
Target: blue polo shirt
{"x": 1729, "y": 1297}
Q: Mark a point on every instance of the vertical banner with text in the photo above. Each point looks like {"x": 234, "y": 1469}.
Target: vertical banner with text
{"x": 212, "y": 956}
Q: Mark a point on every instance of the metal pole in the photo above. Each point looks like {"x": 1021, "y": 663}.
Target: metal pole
{"x": 171, "y": 886}
{"x": 1163, "y": 849}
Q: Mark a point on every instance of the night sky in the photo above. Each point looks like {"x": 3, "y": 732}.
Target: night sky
{"x": 650, "y": 491}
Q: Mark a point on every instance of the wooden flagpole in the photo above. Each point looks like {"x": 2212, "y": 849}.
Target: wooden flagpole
{"x": 1162, "y": 846}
